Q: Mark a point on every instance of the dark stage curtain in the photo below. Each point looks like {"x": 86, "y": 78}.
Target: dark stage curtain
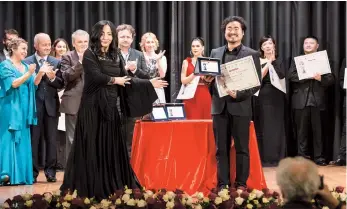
{"x": 176, "y": 23}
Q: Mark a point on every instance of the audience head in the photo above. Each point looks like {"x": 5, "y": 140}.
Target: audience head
{"x": 310, "y": 44}
{"x": 103, "y": 39}
{"x": 125, "y": 35}
{"x": 267, "y": 44}
{"x": 42, "y": 44}
{"x": 18, "y": 48}
{"x": 298, "y": 179}
{"x": 149, "y": 42}
{"x": 197, "y": 47}
{"x": 59, "y": 48}
{"x": 9, "y": 34}
{"x": 234, "y": 28}
{"x": 80, "y": 41}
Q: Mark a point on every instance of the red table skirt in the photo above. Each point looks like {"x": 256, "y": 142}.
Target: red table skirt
{"x": 181, "y": 155}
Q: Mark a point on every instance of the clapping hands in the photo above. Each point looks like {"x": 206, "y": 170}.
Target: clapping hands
{"x": 158, "y": 83}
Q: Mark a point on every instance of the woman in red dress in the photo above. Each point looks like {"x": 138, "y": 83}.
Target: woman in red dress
{"x": 198, "y": 107}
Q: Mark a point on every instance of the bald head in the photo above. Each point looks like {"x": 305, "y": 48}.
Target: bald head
{"x": 42, "y": 44}
{"x": 298, "y": 178}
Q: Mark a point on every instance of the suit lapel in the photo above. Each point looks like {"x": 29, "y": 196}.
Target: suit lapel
{"x": 132, "y": 56}
{"x": 74, "y": 57}
{"x": 33, "y": 57}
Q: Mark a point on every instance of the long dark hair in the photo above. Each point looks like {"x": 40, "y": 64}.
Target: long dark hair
{"x": 264, "y": 39}
{"x": 95, "y": 43}
{"x": 201, "y": 41}
{"x": 53, "y": 53}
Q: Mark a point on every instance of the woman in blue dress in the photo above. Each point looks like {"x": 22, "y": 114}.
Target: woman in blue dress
{"x": 18, "y": 112}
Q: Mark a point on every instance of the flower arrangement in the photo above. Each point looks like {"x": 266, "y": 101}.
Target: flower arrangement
{"x": 162, "y": 199}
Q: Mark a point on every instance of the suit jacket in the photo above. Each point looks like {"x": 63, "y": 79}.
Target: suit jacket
{"x": 241, "y": 106}
{"x": 141, "y": 64}
{"x": 46, "y": 93}
{"x": 73, "y": 75}
{"x": 301, "y": 88}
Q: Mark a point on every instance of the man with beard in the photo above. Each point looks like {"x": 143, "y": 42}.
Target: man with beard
{"x": 135, "y": 65}
{"x": 47, "y": 106}
{"x": 308, "y": 102}
{"x": 72, "y": 70}
{"x": 9, "y": 34}
{"x": 231, "y": 114}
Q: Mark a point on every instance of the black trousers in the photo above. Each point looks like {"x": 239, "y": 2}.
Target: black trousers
{"x": 130, "y": 124}
{"x": 309, "y": 119}
{"x": 342, "y": 151}
{"x": 47, "y": 126}
{"x": 226, "y": 126}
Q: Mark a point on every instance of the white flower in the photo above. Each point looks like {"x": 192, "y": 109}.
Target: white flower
{"x": 342, "y": 197}
{"x": 325, "y": 207}
{"x": 58, "y": 205}
{"x": 265, "y": 200}
{"x": 198, "y": 206}
{"x": 256, "y": 202}
{"x": 252, "y": 196}
{"x": 249, "y": 206}
{"x": 128, "y": 191}
{"x": 149, "y": 193}
{"x": 118, "y": 201}
{"x": 105, "y": 203}
{"x": 68, "y": 197}
{"x": 183, "y": 201}
{"x": 171, "y": 195}
{"x": 335, "y": 194}
{"x": 74, "y": 195}
{"x": 239, "y": 191}
{"x": 141, "y": 203}
{"x": 189, "y": 201}
{"x": 166, "y": 197}
{"x": 223, "y": 192}
{"x": 239, "y": 200}
{"x": 259, "y": 193}
{"x": 29, "y": 203}
{"x": 66, "y": 204}
{"x": 26, "y": 196}
{"x": 145, "y": 195}
{"x": 206, "y": 199}
{"x": 131, "y": 202}
{"x": 200, "y": 195}
{"x": 170, "y": 204}
{"x": 86, "y": 201}
{"x": 48, "y": 197}
{"x": 218, "y": 200}
{"x": 92, "y": 207}
{"x": 226, "y": 197}
{"x": 57, "y": 193}
{"x": 126, "y": 198}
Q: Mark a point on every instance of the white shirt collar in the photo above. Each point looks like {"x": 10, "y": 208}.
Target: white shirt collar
{"x": 6, "y": 53}
{"x": 38, "y": 58}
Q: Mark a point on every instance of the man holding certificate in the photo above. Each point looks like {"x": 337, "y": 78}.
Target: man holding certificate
{"x": 308, "y": 102}
{"x": 232, "y": 113}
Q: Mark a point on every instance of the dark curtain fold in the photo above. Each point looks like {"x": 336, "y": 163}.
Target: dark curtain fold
{"x": 176, "y": 23}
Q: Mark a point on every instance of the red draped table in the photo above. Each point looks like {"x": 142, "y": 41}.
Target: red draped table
{"x": 181, "y": 154}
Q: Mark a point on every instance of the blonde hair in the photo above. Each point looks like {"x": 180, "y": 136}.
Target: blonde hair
{"x": 14, "y": 44}
{"x": 144, "y": 38}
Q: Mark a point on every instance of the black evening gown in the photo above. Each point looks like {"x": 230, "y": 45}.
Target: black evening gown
{"x": 269, "y": 115}
{"x": 98, "y": 163}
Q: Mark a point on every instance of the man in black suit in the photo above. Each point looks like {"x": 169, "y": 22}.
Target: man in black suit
{"x": 232, "y": 114}
{"x": 135, "y": 64}
{"x": 341, "y": 158}
{"x": 72, "y": 70}
{"x": 308, "y": 101}
{"x": 9, "y": 34}
{"x": 47, "y": 105}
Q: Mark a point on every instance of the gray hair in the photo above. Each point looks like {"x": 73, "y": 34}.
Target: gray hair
{"x": 38, "y": 36}
{"x": 297, "y": 178}
{"x": 78, "y": 32}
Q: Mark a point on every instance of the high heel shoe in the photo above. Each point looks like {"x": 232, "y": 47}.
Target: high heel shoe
{"x": 4, "y": 179}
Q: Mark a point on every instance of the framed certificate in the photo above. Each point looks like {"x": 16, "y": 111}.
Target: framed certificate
{"x": 207, "y": 66}
{"x": 158, "y": 114}
{"x": 175, "y": 111}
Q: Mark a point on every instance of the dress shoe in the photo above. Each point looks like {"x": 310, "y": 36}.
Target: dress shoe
{"x": 338, "y": 162}
{"x": 321, "y": 162}
{"x": 51, "y": 179}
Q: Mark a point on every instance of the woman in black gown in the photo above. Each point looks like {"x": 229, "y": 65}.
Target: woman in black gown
{"x": 271, "y": 107}
{"x": 98, "y": 163}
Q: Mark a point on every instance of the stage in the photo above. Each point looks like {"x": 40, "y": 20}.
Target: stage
{"x": 333, "y": 176}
